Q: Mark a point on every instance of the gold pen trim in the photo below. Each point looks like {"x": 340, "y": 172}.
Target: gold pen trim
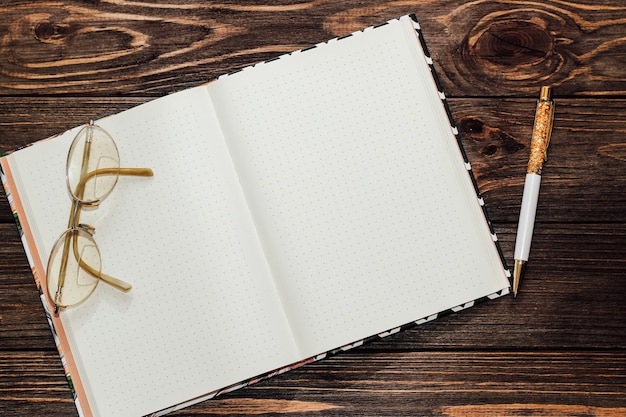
{"x": 542, "y": 131}
{"x": 517, "y": 274}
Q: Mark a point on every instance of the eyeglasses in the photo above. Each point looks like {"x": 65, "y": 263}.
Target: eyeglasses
{"x": 92, "y": 171}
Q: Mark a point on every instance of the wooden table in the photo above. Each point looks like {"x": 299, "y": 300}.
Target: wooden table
{"x": 559, "y": 349}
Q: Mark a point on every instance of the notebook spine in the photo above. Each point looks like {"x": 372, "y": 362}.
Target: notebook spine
{"x": 37, "y": 276}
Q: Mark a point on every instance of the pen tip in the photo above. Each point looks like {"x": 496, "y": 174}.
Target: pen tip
{"x": 517, "y": 272}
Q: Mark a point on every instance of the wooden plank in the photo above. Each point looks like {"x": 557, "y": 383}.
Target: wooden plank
{"x": 24, "y": 120}
{"x": 583, "y": 179}
{"x": 557, "y": 350}
{"x": 149, "y": 47}
{"x": 568, "y": 289}
{"x": 23, "y": 323}
{"x": 448, "y": 384}
{"x": 33, "y": 384}
{"x": 501, "y": 49}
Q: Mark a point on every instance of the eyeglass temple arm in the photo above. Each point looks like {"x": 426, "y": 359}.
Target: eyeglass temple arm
{"x": 114, "y": 282}
{"x": 140, "y": 172}
{"x": 137, "y": 172}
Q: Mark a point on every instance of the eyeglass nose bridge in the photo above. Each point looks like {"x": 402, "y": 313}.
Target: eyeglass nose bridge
{"x": 74, "y": 215}
{"x": 75, "y": 218}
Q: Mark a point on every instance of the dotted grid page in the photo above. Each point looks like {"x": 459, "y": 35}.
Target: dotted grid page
{"x": 358, "y": 189}
{"x": 203, "y": 312}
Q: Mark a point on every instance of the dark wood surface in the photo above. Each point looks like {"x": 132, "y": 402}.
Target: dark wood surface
{"x": 559, "y": 349}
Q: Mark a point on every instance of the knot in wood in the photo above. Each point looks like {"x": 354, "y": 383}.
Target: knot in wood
{"x": 509, "y": 52}
{"x": 513, "y": 44}
{"x": 46, "y": 30}
{"x": 488, "y": 141}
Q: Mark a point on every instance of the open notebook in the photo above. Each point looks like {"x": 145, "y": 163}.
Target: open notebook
{"x": 298, "y": 207}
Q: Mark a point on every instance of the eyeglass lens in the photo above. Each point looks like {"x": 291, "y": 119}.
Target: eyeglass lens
{"x": 92, "y": 165}
{"x": 74, "y": 260}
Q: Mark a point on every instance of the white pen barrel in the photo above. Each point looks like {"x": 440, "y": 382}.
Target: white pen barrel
{"x": 527, "y": 216}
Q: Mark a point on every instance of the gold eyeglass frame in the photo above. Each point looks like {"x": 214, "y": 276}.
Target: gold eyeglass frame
{"x": 69, "y": 238}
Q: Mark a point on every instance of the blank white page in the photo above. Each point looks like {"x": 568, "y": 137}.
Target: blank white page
{"x": 361, "y": 197}
{"x": 203, "y": 312}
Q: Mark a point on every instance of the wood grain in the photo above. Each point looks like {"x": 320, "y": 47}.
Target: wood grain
{"x": 557, "y": 350}
{"x": 118, "y": 46}
{"x": 447, "y": 384}
{"x": 585, "y": 158}
{"x": 559, "y": 296}
{"x": 583, "y": 177}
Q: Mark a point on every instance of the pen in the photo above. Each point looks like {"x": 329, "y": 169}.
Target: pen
{"x": 542, "y": 131}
